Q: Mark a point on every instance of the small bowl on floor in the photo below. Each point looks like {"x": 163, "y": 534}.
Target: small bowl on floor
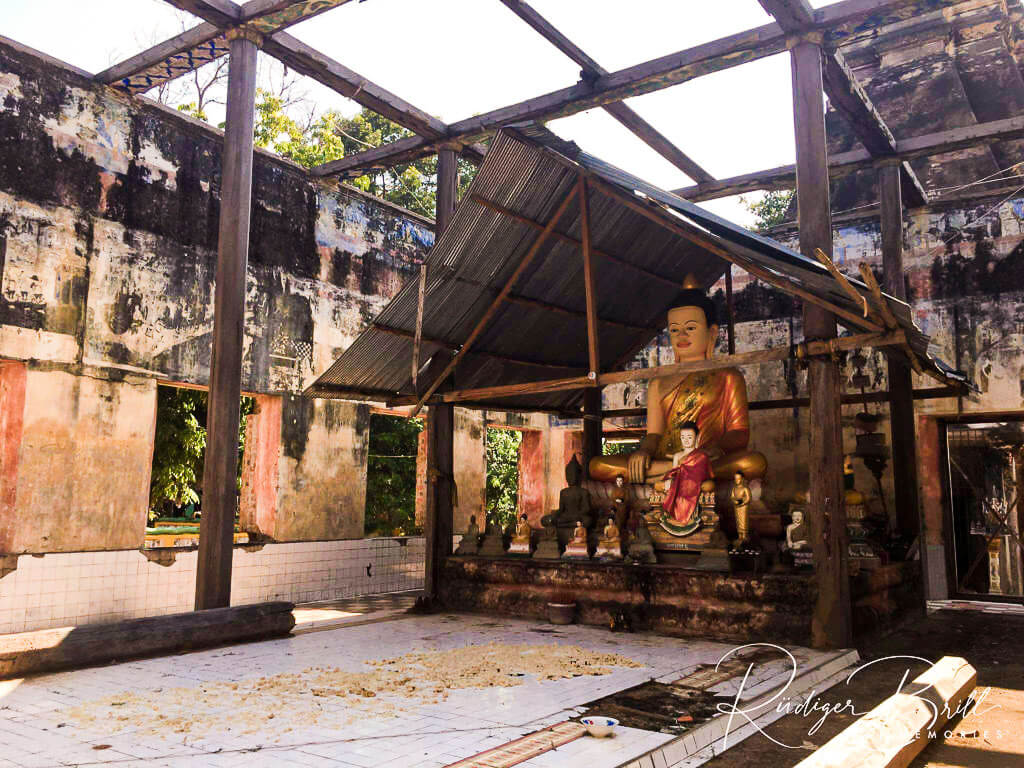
{"x": 599, "y": 725}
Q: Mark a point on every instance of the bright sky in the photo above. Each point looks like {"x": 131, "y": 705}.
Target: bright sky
{"x": 456, "y": 58}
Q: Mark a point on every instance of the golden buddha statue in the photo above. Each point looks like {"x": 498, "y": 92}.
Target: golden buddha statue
{"x": 716, "y": 401}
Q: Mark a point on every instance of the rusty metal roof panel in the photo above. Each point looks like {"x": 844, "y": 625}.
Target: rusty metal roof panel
{"x": 540, "y": 332}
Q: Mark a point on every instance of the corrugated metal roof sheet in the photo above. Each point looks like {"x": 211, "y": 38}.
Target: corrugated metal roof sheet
{"x": 541, "y": 332}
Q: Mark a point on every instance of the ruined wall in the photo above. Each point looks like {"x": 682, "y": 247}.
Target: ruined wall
{"x": 108, "y": 233}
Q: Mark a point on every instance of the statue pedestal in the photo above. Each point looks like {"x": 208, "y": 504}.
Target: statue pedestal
{"x": 574, "y": 551}
{"x": 548, "y": 549}
{"x": 469, "y": 545}
{"x": 492, "y": 546}
{"x": 519, "y": 549}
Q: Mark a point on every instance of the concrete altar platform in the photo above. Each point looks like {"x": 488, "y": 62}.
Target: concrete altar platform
{"x": 669, "y": 599}
{"x": 677, "y": 600}
{"x": 260, "y": 704}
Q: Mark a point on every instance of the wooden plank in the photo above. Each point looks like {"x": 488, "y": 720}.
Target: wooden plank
{"x": 843, "y": 21}
{"x": 756, "y": 357}
{"x": 593, "y": 340}
{"x": 447, "y": 190}
{"x": 767, "y": 275}
{"x": 855, "y": 296}
{"x": 831, "y": 625}
{"x": 489, "y": 313}
{"x": 49, "y": 650}
{"x": 160, "y": 54}
{"x": 901, "y": 385}
{"x": 925, "y": 145}
{"x": 619, "y": 110}
{"x": 308, "y": 61}
{"x": 893, "y": 733}
{"x": 730, "y": 327}
{"x": 417, "y": 336}
{"x": 849, "y": 398}
{"x": 220, "y": 471}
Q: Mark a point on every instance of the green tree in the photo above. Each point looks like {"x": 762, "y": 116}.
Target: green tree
{"x": 770, "y": 210}
{"x": 331, "y": 136}
{"x": 502, "y": 453}
{"x": 179, "y": 448}
{"x": 391, "y": 476}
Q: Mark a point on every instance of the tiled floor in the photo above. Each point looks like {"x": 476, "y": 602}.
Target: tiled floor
{"x": 354, "y": 610}
{"x": 39, "y": 727}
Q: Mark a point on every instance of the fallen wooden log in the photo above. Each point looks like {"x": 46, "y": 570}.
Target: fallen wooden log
{"x": 48, "y": 650}
{"x": 894, "y": 732}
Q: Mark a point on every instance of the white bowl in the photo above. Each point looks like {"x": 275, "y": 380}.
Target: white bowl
{"x": 599, "y": 725}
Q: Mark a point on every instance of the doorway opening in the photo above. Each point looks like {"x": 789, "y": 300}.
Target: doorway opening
{"x": 176, "y": 477}
{"x": 502, "y": 458}
{"x": 391, "y": 476}
{"x": 986, "y": 473}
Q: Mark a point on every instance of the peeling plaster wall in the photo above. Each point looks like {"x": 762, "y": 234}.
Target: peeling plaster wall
{"x": 108, "y": 235}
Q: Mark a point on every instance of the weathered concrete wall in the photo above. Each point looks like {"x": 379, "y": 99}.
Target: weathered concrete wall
{"x": 321, "y": 491}
{"x": 84, "y": 462}
{"x": 108, "y": 235}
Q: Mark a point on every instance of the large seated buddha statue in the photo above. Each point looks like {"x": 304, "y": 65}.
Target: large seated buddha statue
{"x": 715, "y": 400}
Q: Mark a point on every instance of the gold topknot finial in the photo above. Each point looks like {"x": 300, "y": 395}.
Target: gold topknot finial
{"x": 690, "y": 283}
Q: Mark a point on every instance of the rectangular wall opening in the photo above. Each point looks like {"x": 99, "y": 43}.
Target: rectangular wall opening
{"x": 986, "y": 474}
{"x": 176, "y": 478}
{"x": 391, "y": 476}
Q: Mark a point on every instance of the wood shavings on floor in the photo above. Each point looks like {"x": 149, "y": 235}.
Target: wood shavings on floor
{"x": 334, "y": 697}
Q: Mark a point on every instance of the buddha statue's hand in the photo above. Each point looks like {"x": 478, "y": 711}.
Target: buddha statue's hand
{"x": 639, "y": 463}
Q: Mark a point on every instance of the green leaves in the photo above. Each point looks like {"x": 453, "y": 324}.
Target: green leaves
{"x": 770, "y": 209}
{"x": 502, "y": 454}
{"x": 391, "y": 476}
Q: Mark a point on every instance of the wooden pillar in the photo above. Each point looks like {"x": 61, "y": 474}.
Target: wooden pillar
{"x": 592, "y": 425}
{"x": 730, "y": 311}
{"x": 216, "y": 532}
{"x": 439, "y": 523}
{"x": 901, "y": 384}
{"x": 831, "y": 625}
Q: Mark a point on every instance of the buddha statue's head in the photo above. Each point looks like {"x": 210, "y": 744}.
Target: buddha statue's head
{"x": 692, "y": 326}
{"x": 688, "y": 433}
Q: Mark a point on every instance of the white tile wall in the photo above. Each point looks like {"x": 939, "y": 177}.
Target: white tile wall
{"x": 59, "y": 590}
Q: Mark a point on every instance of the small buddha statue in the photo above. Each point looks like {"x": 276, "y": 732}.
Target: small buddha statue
{"x": 716, "y": 401}
{"x": 470, "y": 543}
{"x": 548, "y": 547}
{"x": 641, "y": 545}
{"x": 609, "y": 547}
{"x": 620, "y": 501}
{"x": 493, "y": 544}
{"x": 740, "y": 498}
{"x": 521, "y": 539}
{"x": 690, "y": 469}
{"x": 574, "y": 504}
{"x": 798, "y": 533}
{"x": 577, "y": 547}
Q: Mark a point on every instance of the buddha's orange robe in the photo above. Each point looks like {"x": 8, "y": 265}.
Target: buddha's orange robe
{"x": 715, "y": 400}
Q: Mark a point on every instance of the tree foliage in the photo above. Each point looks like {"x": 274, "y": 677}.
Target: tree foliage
{"x": 391, "y": 476}
{"x": 331, "y": 136}
{"x": 179, "y": 448}
{"x": 771, "y": 209}
{"x": 502, "y": 453}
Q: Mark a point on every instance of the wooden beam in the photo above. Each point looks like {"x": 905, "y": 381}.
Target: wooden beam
{"x": 840, "y": 22}
{"x": 223, "y": 13}
{"x": 172, "y": 58}
{"x": 784, "y": 177}
{"x": 831, "y": 625}
{"x": 845, "y": 94}
{"x": 901, "y": 385}
{"x": 447, "y": 190}
{"x": 592, "y": 426}
{"x": 593, "y": 340}
{"x": 309, "y": 61}
{"x": 765, "y": 274}
{"x": 619, "y": 110}
{"x": 849, "y": 398}
{"x": 756, "y": 357}
{"x": 489, "y": 313}
{"x": 220, "y": 470}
